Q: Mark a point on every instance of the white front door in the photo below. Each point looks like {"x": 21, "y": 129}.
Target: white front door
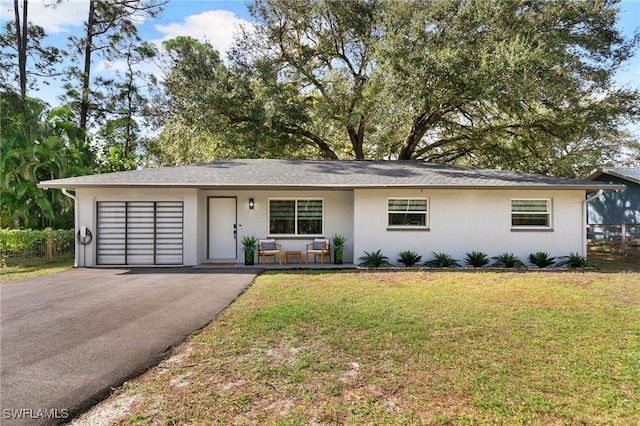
{"x": 222, "y": 228}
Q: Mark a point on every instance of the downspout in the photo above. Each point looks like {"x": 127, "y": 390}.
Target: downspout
{"x": 76, "y": 215}
{"x": 584, "y": 216}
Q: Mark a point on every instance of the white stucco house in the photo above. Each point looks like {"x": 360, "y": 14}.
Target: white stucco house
{"x": 196, "y": 214}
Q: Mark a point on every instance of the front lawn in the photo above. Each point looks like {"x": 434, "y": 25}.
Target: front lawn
{"x": 409, "y": 348}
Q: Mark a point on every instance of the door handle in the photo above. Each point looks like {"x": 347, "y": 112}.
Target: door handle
{"x": 235, "y": 231}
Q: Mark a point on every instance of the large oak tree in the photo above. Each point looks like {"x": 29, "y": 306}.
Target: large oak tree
{"x": 525, "y": 85}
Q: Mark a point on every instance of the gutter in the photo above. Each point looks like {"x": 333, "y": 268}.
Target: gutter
{"x": 76, "y": 214}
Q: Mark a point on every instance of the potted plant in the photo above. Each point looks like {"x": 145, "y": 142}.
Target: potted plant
{"x": 249, "y": 244}
{"x": 338, "y": 248}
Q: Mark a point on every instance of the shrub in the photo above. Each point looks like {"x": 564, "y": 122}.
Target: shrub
{"x": 25, "y": 241}
{"x": 507, "y": 260}
{"x": 477, "y": 259}
{"x": 409, "y": 258}
{"x": 441, "y": 260}
{"x": 374, "y": 259}
{"x": 541, "y": 259}
{"x": 338, "y": 241}
{"x": 574, "y": 261}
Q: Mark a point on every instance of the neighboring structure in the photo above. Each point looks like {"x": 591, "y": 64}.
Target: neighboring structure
{"x": 198, "y": 213}
{"x": 616, "y": 207}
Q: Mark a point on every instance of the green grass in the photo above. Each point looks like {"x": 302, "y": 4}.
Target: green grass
{"x": 410, "y": 348}
{"x": 34, "y": 269}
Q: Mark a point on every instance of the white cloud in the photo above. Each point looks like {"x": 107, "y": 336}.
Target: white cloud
{"x": 214, "y": 26}
{"x": 58, "y": 19}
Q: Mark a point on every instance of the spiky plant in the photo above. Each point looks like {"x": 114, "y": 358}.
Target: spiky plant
{"x": 409, "y": 258}
{"x": 374, "y": 259}
{"x": 541, "y": 259}
{"x": 574, "y": 261}
{"x": 507, "y": 260}
{"x": 441, "y": 260}
{"x": 477, "y": 259}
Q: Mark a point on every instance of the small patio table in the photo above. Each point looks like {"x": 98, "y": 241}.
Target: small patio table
{"x": 293, "y": 253}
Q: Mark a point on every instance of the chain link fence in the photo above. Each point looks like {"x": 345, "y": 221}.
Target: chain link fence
{"x": 34, "y": 247}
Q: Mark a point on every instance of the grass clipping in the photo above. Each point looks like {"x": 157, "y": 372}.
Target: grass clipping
{"x": 409, "y": 348}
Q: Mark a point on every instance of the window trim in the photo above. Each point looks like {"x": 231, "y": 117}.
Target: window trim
{"x": 424, "y": 227}
{"x": 549, "y": 213}
{"x": 295, "y": 217}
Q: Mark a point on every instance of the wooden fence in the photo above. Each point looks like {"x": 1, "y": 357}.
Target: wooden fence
{"x": 621, "y": 236}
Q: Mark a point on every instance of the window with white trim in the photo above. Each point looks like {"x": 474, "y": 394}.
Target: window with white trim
{"x": 408, "y": 212}
{"x": 531, "y": 213}
{"x": 296, "y": 216}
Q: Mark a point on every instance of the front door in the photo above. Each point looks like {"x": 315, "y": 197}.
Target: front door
{"x": 222, "y": 228}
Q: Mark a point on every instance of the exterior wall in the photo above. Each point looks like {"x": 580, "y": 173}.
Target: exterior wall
{"x": 616, "y": 207}
{"x": 338, "y": 218}
{"x": 88, "y": 197}
{"x": 461, "y": 221}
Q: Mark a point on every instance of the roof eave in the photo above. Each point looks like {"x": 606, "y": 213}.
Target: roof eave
{"x": 594, "y": 187}
{"x": 599, "y": 172}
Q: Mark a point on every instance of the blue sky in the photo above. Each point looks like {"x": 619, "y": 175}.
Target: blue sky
{"x": 216, "y": 21}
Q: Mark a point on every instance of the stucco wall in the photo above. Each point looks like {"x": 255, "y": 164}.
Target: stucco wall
{"x": 466, "y": 220}
{"x": 459, "y": 220}
{"x": 87, "y": 199}
{"x": 338, "y": 217}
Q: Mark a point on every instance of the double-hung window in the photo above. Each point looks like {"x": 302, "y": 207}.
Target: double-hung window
{"x": 296, "y": 217}
{"x": 408, "y": 213}
{"x": 528, "y": 213}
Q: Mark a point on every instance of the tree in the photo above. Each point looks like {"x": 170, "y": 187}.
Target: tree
{"x": 37, "y": 145}
{"x": 509, "y": 84}
{"x": 108, "y": 23}
{"x": 208, "y": 111}
{"x": 314, "y": 60}
{"x": 475, "y": 77}
{"x": 20, "y": 43}
{"x": 125, "y": 102}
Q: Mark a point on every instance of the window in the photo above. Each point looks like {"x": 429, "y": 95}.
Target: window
{"x": 531, "y": 213}
{"x": 295, "y": 217}
{"x": 403, "y": 212}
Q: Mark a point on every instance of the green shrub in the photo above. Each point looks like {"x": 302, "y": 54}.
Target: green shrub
{"x": 409, "y": 258}
{"x": 477, "y": 259}
{"x": 26, "y": 241}
{"x": 22, "y": 246}
{"x": 374, "y": 259}
{"x": 541, "y": 259}
{"x": 574, "y": 261}
{"x": 507, "y": 260}
{"x": 441, "y": 260}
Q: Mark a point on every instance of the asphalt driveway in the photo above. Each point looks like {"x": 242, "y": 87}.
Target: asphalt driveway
{"x": 68, "y": 338}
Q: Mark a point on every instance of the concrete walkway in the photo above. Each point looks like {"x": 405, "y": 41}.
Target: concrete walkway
{"x": 68, "y": 338}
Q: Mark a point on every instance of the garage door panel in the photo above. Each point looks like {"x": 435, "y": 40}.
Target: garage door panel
{"x": 140, "y": 233}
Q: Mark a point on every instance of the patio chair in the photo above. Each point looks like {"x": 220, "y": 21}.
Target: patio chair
{"x": 269, "y": 248}
{"x": 319, "y": 247}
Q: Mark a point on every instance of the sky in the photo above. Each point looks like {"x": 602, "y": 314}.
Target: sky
{"x": 216, "y": 21}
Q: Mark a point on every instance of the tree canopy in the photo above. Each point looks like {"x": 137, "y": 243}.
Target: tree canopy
{"x": 523, "y": 85}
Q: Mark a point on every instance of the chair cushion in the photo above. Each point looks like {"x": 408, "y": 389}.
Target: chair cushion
{"x": 318, "y": 244}
{"x": 269, "y": 245}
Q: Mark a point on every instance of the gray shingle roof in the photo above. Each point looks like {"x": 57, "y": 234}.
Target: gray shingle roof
{"x": 322, "y": 174}
{"x": 629, "y": 173}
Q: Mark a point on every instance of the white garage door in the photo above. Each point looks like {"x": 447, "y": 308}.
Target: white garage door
{"x": 140, "y": 232}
